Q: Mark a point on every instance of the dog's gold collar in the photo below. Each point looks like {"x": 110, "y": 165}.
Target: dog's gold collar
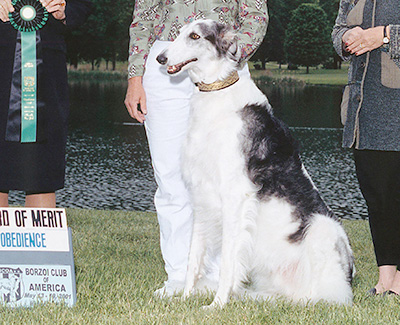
{"x": 219, "y": 84}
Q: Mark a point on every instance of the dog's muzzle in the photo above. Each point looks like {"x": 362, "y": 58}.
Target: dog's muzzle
{"x": 162, "y": 59}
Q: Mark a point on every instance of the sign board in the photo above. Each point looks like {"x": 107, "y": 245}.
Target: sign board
{"x": 36, "y": 257}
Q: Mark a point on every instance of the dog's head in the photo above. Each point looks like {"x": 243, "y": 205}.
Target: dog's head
{"x": 208, "y": 49}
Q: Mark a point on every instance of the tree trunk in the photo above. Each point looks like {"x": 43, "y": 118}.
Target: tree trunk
{"x": 73, "y": 61}
{"x": 337, "y": 62}
{"x": 308, "y": 70}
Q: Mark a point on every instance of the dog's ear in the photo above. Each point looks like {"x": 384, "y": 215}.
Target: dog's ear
{"x": 224, "y": 39}
{"x": 233, "y": 50}
{"x": 229, "y": 43}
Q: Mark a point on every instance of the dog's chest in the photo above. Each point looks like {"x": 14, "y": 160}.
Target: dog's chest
{"x": 213, "y": 147}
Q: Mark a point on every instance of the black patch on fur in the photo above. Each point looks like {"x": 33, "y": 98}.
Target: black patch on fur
{"x": 215, "y": 35}
{"x": 274, "y": 165}
{"x": 299, "y": 235}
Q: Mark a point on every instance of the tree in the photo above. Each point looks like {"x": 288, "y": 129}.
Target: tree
{"x": 307, "y": 40}
{"x": 331, "y": 8}
{"x": 105, "y": 35}
{"x": 271, "y": 49}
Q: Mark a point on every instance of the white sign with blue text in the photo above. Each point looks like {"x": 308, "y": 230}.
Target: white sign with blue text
{"x": 36, "y": 258}
{"x": 33, "y": 230}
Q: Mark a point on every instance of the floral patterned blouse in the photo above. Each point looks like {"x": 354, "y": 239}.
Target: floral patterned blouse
{"x": 162, "y": 19}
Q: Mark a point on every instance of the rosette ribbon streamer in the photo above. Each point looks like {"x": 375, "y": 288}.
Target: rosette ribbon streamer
{"x": 28, "y": 17}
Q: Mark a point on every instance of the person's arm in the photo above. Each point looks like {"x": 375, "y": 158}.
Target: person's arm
{"x": 135, "y": 96}
{"x": 348, "y": 41}
{"x": 340, "y": 29}
{"x": 140, "y": 33}
{"x": 5, "y": 8}
{"x": 72, "y": 13}
{"x": 55, "y": 7}
{"x": 253, "y": 22}
{"x": 77, "y": 12}
{"x": 359, "y": 41}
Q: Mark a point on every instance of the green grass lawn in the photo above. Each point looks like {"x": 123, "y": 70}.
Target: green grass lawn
{"x": 316, "y": 76}
{"x": 118, "y": 267}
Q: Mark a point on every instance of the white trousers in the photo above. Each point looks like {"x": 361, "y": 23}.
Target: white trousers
{"x": 168, "y": 100}
{"x": 166, "y": 125}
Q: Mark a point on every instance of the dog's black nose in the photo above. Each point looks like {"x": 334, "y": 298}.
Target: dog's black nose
{"x": 162, "y": 59}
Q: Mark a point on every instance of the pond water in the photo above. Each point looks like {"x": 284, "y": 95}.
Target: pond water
{"x": 109, "y": 167}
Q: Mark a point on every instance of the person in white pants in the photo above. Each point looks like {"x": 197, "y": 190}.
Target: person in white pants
{"x": 162, "y": 102}
{"x": 166, "y": 125}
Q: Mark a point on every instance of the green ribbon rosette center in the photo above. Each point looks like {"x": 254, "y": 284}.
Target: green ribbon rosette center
{"x": 27, "y": 13}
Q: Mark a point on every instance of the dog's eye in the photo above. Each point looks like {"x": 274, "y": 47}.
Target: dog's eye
{"x": 194, "y": 36}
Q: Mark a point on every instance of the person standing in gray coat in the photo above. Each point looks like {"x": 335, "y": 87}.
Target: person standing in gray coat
{"x": 367, "y": 33}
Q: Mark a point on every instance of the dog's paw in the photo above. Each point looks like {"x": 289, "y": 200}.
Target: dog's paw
{"x": 185, "y": 297}
{"x": 215, "y": 305}
{"x": 170, "y": 289}
{"x": 207, "y": 308}
{"x": 187, "y": 293}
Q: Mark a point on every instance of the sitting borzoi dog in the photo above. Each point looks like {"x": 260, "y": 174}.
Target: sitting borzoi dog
{"x": 253, "y": 200}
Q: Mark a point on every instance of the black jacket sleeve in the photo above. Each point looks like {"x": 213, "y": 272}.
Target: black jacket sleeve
{"x": 77, "y": 11}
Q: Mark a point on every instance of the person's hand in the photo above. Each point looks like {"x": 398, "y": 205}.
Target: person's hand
{"x": 55, "y": 7}
{"x": 136, "y": 95}
{"x": 359, "y": 41}
{"x": 5, "y": 8}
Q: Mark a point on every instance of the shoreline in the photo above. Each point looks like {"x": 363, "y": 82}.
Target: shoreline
{"x": 273, "y": 74}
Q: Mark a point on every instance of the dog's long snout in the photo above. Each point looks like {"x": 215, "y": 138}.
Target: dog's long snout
{"x": 162, "y": 58}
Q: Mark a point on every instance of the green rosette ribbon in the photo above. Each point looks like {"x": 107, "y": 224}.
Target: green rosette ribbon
{"x": 28, "y": 17}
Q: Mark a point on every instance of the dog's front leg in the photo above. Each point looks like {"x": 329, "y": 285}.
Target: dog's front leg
{"x": 196, "y": 257}
{"x": 229, "y": 267}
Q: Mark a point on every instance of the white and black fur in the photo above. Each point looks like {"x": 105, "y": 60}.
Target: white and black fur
{"x": 254, "y": 203}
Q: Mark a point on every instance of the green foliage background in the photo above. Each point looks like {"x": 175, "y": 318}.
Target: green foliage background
{"x": 105, "y": 37}
{"x": 308, "y": 39}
